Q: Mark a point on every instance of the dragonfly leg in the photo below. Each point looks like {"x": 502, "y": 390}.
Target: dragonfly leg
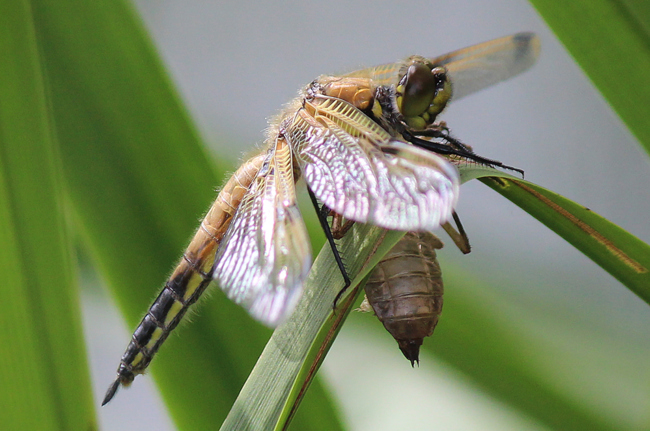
{"x": 451, "y": 146}
{"x": 459, "y": 237}
{"x": 340, "y": 228}
{"x": 323, "y": 212}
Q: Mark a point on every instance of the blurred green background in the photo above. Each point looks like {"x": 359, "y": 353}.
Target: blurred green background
{"x": 586, "y": 335}
{"x": 576, "y": 340}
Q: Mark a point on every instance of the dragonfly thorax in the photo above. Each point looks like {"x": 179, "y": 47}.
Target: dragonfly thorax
{"x": 359, "y": 92}
{"x": 421, "y": 93}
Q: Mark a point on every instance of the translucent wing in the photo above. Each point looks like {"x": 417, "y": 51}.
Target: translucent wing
{"x": 474, "y": 68}
{"x": 357, "y": 169}
{"x": 265, "y": 255}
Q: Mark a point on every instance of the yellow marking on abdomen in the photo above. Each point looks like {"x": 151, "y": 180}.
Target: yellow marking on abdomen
{"x": 188, "y": 280}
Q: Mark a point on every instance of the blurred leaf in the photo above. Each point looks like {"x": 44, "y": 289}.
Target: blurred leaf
{"x": 610, "y": 40}
{"x": 485, "y": 342}
{"x": 43, "y": 370}
{"x": 139, "y": 179}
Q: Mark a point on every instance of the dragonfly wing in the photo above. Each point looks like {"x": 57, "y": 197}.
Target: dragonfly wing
{"x": 265, "y": 255}
{"x": 483, "y": 65}
{"x": 358, "y": 170}
{"x": 473, "y": 68}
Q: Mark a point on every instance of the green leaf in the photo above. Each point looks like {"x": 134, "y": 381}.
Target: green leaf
{"x": 618, "y": 252}
{"x": 297, "y": 348}
{"x": 478, "y": 337}
{"x": 294, "y": 353}
{"x": 43, "y": 369}
{"x": 139, "y": 179}
{"x": 610, "y": 40}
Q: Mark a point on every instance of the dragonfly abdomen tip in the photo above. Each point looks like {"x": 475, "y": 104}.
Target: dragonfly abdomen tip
{"x": 110, "y": 393}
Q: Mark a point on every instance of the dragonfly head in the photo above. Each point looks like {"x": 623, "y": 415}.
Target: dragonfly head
{"x": 422, "y": 92}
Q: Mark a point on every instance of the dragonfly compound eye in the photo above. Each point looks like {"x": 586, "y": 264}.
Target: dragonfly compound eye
{"x": 418, "y": 87}
{"x": 443, "y": 92}
{"x": 422, "y": 94}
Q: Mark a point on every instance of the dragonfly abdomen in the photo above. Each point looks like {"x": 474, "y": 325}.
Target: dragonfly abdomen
{"x": 189, "y": 280}
{"x": 405, "y": 291}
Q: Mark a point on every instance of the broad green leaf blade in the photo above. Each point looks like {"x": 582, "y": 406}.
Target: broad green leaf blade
{"x": 488, "y": 352}
{"x": 283, "y": 373}
{"x": 139, "y": 180}
{"x": 43, "y": 370}
{"x": 618, "y": 252}
{"x": 295, "y": 351}
{"x": 610, "y": 40}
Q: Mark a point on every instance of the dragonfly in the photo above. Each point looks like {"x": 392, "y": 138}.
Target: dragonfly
{"x": 405, "y": 289}
{"x": 368, "y": 147}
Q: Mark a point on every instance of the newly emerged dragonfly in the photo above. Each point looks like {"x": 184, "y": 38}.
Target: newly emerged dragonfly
{"x": 405, "y": 289}
{"x": 368, "y": 148}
